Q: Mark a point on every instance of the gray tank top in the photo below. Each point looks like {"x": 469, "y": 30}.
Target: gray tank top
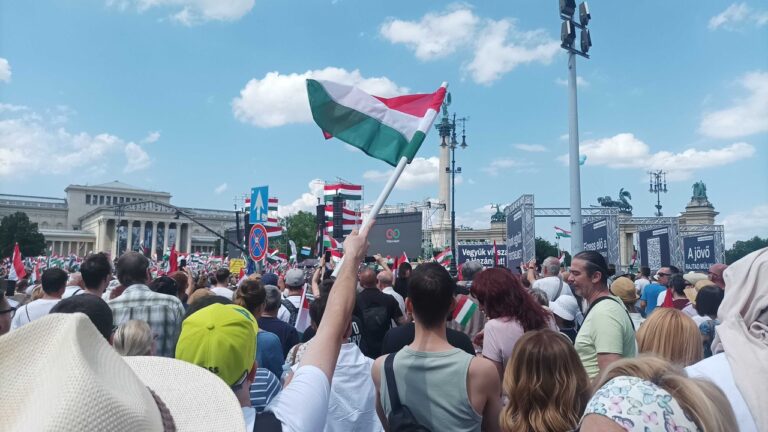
{"x": 434, "y": 387}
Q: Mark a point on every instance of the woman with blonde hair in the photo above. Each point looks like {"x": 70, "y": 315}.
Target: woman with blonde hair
{"x": 671, "y": 335}
{"x": 134, "y": 338}
{"x": 649, "y": 393}
{"x": 547, "y": 385}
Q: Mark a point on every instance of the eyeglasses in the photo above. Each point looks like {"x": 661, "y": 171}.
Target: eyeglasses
{"x": 663, "y": 274}
{"x": 12, "y": 311}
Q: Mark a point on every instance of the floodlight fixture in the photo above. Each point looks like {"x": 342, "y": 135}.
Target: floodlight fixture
{"x": 586, "y": 40}
{"x": 567, "y": 34}
{"x": 567, "y": 7}
{"x": 584, "y": 15}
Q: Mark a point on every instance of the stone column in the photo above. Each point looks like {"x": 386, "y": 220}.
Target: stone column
{"x": 165, "y": 236}
{"x": 154, "y": 238}
{"x": 189, "y": 237}
{"x": 142, "y": 235}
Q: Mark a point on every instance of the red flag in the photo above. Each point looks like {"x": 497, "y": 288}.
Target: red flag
{"x": 173, "y": 258}
{"x": 404, "y": 258}
{"x": 495, "y": 255}
{"x": 17, "y": 267}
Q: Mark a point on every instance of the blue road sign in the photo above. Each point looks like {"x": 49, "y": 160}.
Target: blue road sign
{"x": 259, "y": 204}
{"x": 258, "y": 242}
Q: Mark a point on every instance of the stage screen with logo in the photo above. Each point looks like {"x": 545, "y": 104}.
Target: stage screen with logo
{"x": 596, "y": 237}
{"x": 699, "y": 252}
{"x": 483, "y": 253}
{"x": 395, "y": 233}
{"x": 515, "y": 240}
{"x": 654, "y": 248}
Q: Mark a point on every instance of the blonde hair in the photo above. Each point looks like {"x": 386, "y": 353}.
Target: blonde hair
{"x": 198, "y": 294}
{"x": 133, "y": 338}
{"x": 703, "y": 402}
{"x": 672, "y": 335}
{"x": 546, "y": 383}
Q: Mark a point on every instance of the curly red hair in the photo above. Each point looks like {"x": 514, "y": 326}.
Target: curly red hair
{"x": 502, "y": 295}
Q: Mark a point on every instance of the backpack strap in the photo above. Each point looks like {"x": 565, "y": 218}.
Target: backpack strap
{"x": 559, "y": 289}
{"x": 592, "y": 306}
{"x": 389, "y": 372}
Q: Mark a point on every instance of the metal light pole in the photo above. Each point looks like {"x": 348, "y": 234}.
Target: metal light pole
{"x": 567, "y": 37}
{"x": 658, "y": 184}
{"x": 447, "y": 130}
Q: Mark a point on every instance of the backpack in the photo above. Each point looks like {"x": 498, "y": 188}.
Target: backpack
{"x": 267, "y": 422}
{"x": 294, "y": 311}
{"x": 401, "y": 418}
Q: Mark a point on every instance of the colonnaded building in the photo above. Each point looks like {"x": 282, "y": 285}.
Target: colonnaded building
{"x": 90, "y": 218}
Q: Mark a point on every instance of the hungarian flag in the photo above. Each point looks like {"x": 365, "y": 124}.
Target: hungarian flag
{"x": 17, "y": 271}
{"x": 302, "y": 319}
{"x": 404, "y": 258}
{"x": 465, "y": 308}
{"x": 330, "y": 242}
{"x": 346, "y": 214}
{"x": 173, "y": 260}
{"x": 347, "y": 192}
{"x": 274, "y": 231}
{"x": 271, "y": 222}
{"x": 272, "y": 205}
{"x": 387, "y": 129}
{"x": 561, "y": 233}
{"x": 444, "y": 257}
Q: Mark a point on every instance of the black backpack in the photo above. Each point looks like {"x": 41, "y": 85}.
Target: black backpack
{"x": 401, "y": 418}
{"x": 294, "y": 311}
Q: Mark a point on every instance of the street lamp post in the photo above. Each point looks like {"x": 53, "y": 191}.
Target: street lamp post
{"x": 658, "y": 185}
{"x": 567, "y": 37}
{"x": 448, "y": 129}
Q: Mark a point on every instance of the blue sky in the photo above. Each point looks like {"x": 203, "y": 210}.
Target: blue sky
{"x": 204, "y": 99}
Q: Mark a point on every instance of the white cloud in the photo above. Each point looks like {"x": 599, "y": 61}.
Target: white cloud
{"x": 627, "y": 151}
{"x": 30, "y": 143}
{"x": 5, "y": 70}
{"x": 280, "y": 99}
{"x": 436, "y": 35}
{"x": 220, "y": 189}
{"x": 747, "y": 116}
{"x": 580, "y": 82}
{"x": 191, "y": 12}
{"x": 306, "y": 202}
{"x": 500, "y": 48}
{"x": 137, "y": 159}
{"x": 151, "y": 137}
{"x": 737, "y": 13}
{"x": 421, "y": 172}
{"x": 532, "y": 148}
{"x": 498, "y": 165}
{"x": 744, "y": 225}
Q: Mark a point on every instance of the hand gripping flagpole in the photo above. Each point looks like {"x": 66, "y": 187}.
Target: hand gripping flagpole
{"x": 383, "y": 195}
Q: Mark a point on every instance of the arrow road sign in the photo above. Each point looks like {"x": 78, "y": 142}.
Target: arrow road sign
{"x": 259, "y": 206}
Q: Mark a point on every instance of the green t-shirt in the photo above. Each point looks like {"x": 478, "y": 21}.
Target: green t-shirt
{"x": 607, "y": 329}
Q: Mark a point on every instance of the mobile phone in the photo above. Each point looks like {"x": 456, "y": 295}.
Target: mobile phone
{"x": 369, "y": 259}
{"x": 327, "y": 256}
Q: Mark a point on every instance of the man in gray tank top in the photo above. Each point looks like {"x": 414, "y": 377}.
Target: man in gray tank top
{"x": 428, "y": 372}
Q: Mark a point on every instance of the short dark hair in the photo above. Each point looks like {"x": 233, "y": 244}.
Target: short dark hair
{"x": 204, "y": 302}
{"x": 165, "y": 285}
{"x": 132, "y": 269}
{"x": 95, "y": 269}
{"x": 595, "y": 263}
{"x": 673, "y": 269}
{"x": 611, "y": 269}
{"x": 317, "y": 309}
{"x": 645, "y": 271}
{"x": 54, "y": 280}
{"x": 431, "y": 289}
{"x": 403, "y": 269}
{"x": 222, "y": 275}
{"x": 708, "y": 300}
{"x": 97, "y": 310}
{"x": 677, "y": 283}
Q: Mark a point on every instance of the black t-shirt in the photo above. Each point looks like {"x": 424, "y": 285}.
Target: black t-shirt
{"x": 376, "y": 310}
{"x": 355, "y": 337}
{"x": 398, "y": 337}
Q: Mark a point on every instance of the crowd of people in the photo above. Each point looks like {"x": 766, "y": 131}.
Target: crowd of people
{"x": 411, "y": 348}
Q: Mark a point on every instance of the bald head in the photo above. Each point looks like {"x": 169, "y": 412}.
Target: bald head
{"x": 385, "y": 279}
{"x": 715, "y": 274}
{"x": 367, "y": 278}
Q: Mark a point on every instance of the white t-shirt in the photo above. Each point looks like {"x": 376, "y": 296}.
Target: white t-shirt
{"x": 70, "y": 290}
{"x": 550, "y": 285}
{"x": 640, "y": 284}
{"x": 223, "y": 291}
{"x": 718, "y": 370}
{"x": 32, "y": 311}
{"x": 284, "y": 314}
{"x": 400, "y": 302}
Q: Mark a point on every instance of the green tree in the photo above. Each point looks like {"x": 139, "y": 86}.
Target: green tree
{"x": 743, "y": 248}
{"x": 17, "y": 228}
{"x": 301, "y": 228}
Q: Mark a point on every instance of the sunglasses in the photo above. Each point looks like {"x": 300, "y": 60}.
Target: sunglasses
{"x": 12, "y": 311}
{"x": 663, "y": 274}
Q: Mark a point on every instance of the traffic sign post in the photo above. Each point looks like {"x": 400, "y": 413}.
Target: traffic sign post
{"x": 258, "y": 242}
{"x": 259, "y": 204}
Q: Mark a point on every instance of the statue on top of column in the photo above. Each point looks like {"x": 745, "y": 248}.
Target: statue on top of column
{"x": 699, "y": 191}
{"x": 446, "y": 104}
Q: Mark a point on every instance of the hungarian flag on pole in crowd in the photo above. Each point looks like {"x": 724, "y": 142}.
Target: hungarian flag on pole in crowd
{"x": 330, "y": 242}
{"x": 387, "y": 129}
{"x": 17, "y": 271}
{"x": 444, "y": 257}
{"x": 561, "y": 258}
{"x": 173, "y": 260}
{"x": 561, "y": 233}
{"x": 302, "y": 319}
{"x": 404, "y": 258}
{"x": 346, "y": 191}
{"x": 465, "y": 308}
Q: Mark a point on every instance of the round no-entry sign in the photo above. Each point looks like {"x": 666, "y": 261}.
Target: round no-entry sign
{"x": 258, "y": 242}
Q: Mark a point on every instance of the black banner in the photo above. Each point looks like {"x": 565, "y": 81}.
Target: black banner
{"x": 515, "y": 240}
{"x": 654, "y": 248}
{"x": 395, "y": 233}
{"x": 699, "y": 253}
{"x": 482, "y": 253}
{"x": 596, "y": 237}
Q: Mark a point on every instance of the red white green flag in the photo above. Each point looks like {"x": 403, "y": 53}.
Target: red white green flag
{"x": 444, "y": 257}
{"x": 346, "y": 213}
{"x": 562, "y": 233}
{"x": 465, "y": 308}
{"x": 346, "y": 191}
{"x": 387, "y": 129}
{"x": 272, "y": 205}
{"x": 16, "y": 271}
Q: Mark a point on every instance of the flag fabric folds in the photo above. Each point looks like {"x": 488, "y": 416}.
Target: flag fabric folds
{"x": 562, "y": 233}
{"x": 17, "y": 271}
{"x": 346, "y": 191}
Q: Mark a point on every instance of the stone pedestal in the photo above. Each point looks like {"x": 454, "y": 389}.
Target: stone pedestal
{"x": 699, "y": 211}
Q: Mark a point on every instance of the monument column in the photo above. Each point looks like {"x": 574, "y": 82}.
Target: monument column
{"x": 165, "y": 237}
{"x": 154, "y": 239}
{"x": 189, "y": 238}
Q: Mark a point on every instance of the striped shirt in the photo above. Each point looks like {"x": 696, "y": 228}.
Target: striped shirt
{"x": 162, "y": 312}
{"x": 263, "y": 389}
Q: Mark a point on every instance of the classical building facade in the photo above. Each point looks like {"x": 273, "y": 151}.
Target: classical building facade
{"x": 115, "y": 217}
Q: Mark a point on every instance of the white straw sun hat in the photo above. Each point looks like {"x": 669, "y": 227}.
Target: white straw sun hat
{"x": 59, "y": 374}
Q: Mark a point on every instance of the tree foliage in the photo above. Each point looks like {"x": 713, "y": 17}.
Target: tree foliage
{"x": 743, "y": 248}
{"x": 301, "y": 228}
{"x": 546, "y": 249}
{"x": 17, "y": 228}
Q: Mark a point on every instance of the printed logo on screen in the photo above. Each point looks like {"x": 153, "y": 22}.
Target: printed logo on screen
{"x": 392, "y": 235}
